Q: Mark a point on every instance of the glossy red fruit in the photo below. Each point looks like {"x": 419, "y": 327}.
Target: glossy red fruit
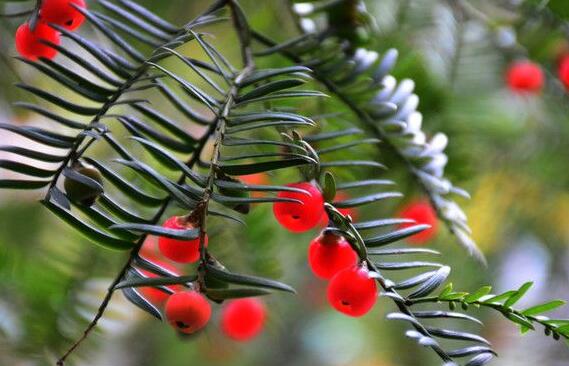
{"x": 181, "y": 251}
{"x": 563, "y": 71}
{"x": 298, "y": 217}
{"x": 243, "y": 319}
{"x": 154, "y": 295}
{"x": 423, "y": 213}
{"x": 29, "y": 45}
{"x": 256, "y": 179}
{"x": 330, "y": 253}
{"x": 352, "y": 291}
{"x": 525, "y": 77}
{"x": 62, "y": 13}
{"x": 187, "y": 311}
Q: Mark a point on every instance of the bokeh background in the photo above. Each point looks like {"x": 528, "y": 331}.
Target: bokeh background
{"x": 510, "y": 151}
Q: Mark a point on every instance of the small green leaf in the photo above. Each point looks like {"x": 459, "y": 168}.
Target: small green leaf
{"x": 564, "y": 330}
{"x": 271, "y": 87}
{"x": 557, "y": 322}
{"x": 454, "y": 296}
{"x": 133, "y": 296}
{"x": 519, "y": 319}
{"x": 332, "y": 135}
{"x": 178, "y": 234}
{"x": 446, "y": 290}
{"x": 432, "y": 283}
{"x": 329, "y": 187}
{"x": 23, "y": 184}
{"x": 498, "y": 299}
{"x": 245, "y": 169}
{"x": 538, "y": 309}
{"x": 29, "y": 170}
{"x": 406, "y": 265}
{"x": 264, "y": 74}
{"x": 241, "y": 279}
{"x": 360, "y": 201}
{"x": 483, "y": 291}
{"x": 394, "y": 236}
{"x": 92, "y": 233}
{"x": 512, "y": 300}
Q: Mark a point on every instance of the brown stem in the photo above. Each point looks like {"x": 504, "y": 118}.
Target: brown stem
{"x": 244, "y": 34}
{"x": 100, "y": 311}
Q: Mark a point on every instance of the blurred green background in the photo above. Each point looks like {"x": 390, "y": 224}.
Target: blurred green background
{"x": 510, "y": 152}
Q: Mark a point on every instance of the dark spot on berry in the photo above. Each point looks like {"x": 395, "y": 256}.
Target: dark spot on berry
{"x": 345, "y": 303}
{"x": 182, "y": 325}
{"x": 69, "y": 23}
{"x": 296, "y": 217}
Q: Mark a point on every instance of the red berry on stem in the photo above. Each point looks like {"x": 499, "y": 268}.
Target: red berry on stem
{"x": 564, "y": 71}
{"x": 422, "y": 212}
{"x": 243, "y": 319}
{"x": 187, "y": 311}
{"x": 525, "y": 77}
{"x": 28, "y": 42}
{"x": 181, "y": 251}
{"x": 62, "y": 13}
{"x": 298, "y": 217}
{"x": 352, "y": 291}
{"x": 330, "y": 253}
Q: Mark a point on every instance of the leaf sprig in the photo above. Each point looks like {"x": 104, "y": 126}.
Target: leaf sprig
{"x": 504, "y": 303}
{"x": 370, "y": 239}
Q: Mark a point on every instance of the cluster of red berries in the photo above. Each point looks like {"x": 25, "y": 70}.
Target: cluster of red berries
{"x": 61, "y": 12}
{"x": 241, "y": 319}
{"x": 528, "y": 77}
{"x": 352, "y": 290}
{"x": 189, "y": 311}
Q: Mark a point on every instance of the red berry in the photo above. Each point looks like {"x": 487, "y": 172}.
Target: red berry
{"x": 564, "y": 71}
{"x": 525, "y": 76}
{"x": 256, "y": 179}
{"x": 243, "y": 319}
{"x": 422, "y": 212}
{"x": 352, "y": 291}
{"x": 329, "y": 253}
{"x": 154, "y": 295}
{"x": 61, "y": 12}
{"x": 29, "y": 45}
{"x": 181, "y": 251}
{"x": 187, "y": 311}
{"x": 298, "y": 217}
